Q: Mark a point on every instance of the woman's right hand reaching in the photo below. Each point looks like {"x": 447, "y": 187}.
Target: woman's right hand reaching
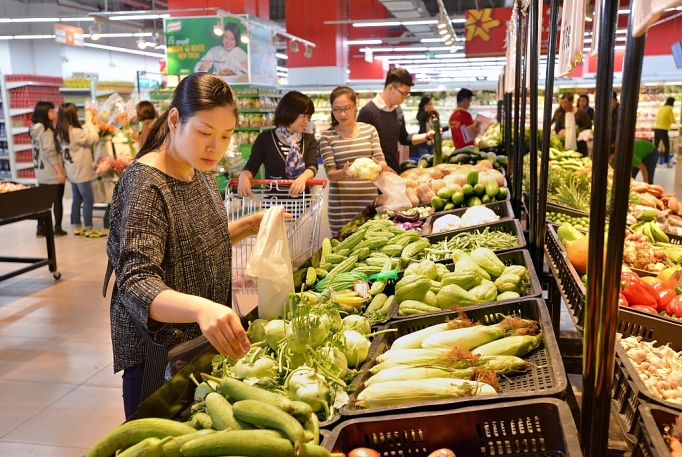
{"x": 223, "y": 328}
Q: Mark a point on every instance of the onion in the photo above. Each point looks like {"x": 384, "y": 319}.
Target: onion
{"x": 363, "y": 452}
{"x": 442, "y": 453}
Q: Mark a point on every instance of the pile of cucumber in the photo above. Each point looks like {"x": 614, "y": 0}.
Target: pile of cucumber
{"x": 470, "y": 194}
{"x": 256, "y": 423}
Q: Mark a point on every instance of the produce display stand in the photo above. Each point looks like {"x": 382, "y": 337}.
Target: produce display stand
{"x": 654, "y": 421}
{"x": 32, "y": 203}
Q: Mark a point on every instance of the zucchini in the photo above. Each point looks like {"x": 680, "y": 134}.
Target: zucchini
{"x": 265, "y": 416}
{"x": 221, "y": 413}
{"x": 376, "y": 304}
{"x": 239, "y": 442}
{"x": 133, "y": 432}
{"x": 313, "y": 428}
{"x": 201, "y": 421}
{"x": 150, "y": 447}
{"x": 172, "y": 447}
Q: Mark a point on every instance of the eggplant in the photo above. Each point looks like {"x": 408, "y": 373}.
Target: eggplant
{"x": 414, "y": 217}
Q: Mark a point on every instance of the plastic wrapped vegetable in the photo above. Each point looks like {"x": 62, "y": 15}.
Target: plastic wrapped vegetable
{"x": 477, "y": 215}
{"x": 447, "y": 223}
{"x": 365, "y": 168}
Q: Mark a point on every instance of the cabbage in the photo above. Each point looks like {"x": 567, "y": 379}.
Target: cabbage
{"x": 365, "y": 168}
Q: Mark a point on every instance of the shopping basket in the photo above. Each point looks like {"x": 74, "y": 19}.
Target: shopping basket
{"x": 303, "y": 230}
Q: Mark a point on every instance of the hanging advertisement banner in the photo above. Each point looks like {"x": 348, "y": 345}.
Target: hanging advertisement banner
{"x": 578, "y": 36}
{"x": 68, "y": 35}
{"x": 646, "y": 12}
{"x": 262, "y": 59}
{"x": 596, "y": 25}
{"x": 572, "y": 36}
{"x": 192, "y": 46}
{"x": 510, "y": 65}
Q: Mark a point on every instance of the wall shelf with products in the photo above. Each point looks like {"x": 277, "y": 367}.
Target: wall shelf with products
{"x": 20, "y": 93}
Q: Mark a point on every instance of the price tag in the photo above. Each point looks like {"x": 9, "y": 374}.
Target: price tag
{"x": 362, "y": 288}
{"x": 646, "y": 12}
{"x": 571, "y": 39}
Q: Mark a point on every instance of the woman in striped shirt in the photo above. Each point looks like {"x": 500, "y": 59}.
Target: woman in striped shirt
{"x": 344, "y": 142}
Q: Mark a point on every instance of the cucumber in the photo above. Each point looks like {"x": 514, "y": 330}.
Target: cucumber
{"x": 150, "y": 447}
{"x": 239, "y": 442}
{"x": 172, "y": 447}
{"x": 201, "y": 421}
{"x": 221, "y": 413}
{"x": 265, "y": 416}
{"x": 313, "y": 428}
{"x": 238, "y": 390}
{"x": 133, "y": 432}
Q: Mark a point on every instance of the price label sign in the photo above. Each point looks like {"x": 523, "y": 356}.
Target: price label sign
{"x": 571, "y": 39}
{"x": 646, "y": 12}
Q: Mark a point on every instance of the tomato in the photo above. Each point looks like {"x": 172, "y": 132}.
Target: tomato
{"x": 659, "y": 286}
{"x": 363, "y": 452}
{"x": 645, "y": 309}
{"x": 664, "y": 298}
{"x": 622, "y": 301}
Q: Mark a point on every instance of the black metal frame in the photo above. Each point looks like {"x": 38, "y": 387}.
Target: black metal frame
{"x": 516, "y": 154}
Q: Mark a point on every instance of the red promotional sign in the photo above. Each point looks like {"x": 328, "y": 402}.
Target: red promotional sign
{"x": 485, "y": 31}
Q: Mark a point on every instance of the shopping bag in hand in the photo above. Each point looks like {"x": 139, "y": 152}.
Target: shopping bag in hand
{"x": 270, "y": 262}
{"x": 393, "y": 191}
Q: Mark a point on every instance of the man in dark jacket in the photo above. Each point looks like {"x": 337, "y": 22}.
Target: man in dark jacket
{"x": 384, "y": 113}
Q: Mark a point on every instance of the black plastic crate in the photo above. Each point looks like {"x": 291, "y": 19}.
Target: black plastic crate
{"x": 518, "y": 257}
{"x": 523, "y": 428}
{"x": 654, "y": 421}
{"x": 556, "y": 208}
{"x": 628, "y": 390}
{"x": 502, "y": 208}
{"x": 511, "y": 226}
{"x": 546, "y": 378}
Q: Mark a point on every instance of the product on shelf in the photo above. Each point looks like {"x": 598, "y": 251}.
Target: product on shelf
{"x": 11, "y": 187}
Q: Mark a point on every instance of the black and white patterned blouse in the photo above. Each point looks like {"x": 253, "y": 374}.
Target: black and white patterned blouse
{"x": 165, "y": 234}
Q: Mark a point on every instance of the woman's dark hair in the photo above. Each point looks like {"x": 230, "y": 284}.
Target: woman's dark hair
{"x": 567, "y": 96}
{"x": 587, "y": 99}
{"x": 424, "y": 101}
{"x": 40, "y": 115}
{"x": 338, "y": 92}
{"x": 670, "y": 101}
{"x": 145, "y": 110}
{"x": 234, "y": 28}
{"x": 292, "y": 105}
{"x": 68, "y": 117}
{"x": 197, "y": 92}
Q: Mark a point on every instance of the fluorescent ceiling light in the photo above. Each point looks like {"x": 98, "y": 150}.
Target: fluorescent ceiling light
{"x": 5, "y": 19}
{"x": 32, "y": 37}
{"x": 136, "y": 17}
{"x": 6, "y": 37}
{"x": 35, "y": 19}
{"x": 376, "y": 24}
{"x": 442, "y": 25}
{"x": 160, "y": 46}
{"x": 411, "y": 49}
{"x": 432, "y": 40}
{"x": 624, "y": 11}
{"x": 141, "y": 34}
{"x": 619, "y": 47}
{"x": 458, "y": 21}
{"x": 77, "y": 19}
{"x": 124, "y": 50}
{"x": 355, "y": 42}
{"x": 279, "y": 55}
{"x": 424, "y": 22}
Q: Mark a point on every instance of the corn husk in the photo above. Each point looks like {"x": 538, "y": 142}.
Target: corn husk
{"x": 518, "y": 345}
{"x": 409, "y": 357}
{"x": 468, "y": 337}
{"x": 394, "y": 393}
{"x": 409, "y": 373}
{"x": 414, "y": 340}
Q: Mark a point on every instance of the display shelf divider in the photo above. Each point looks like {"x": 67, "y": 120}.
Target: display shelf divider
{"x": 16, "y": 84}
{"x": 517, "y": 150}
{"x": 20, "y": 111}
{"x": 20, "y": 130}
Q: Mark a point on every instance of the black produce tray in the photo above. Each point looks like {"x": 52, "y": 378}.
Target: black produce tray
{"x": 21, "y": 203}
{"x": 628, "y": 390}
{"x": 547, "y": 378}
{"x": 556, "y": 208}
{"x": 511, "y": 226}
{"x": 522, "y": 428}
{"x": 654, "y": 421}
{"x": 518, "y": 257}
{"x": 501, "y": 208}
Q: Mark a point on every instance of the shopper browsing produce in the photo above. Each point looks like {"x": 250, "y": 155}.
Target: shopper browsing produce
{"x": 645, "y": 160}
{"x": 47, "y": 162}
{"x": 463, "y": 126}
{"x": 385, "y": 114}
{"x": 426, "y": 110}
{"x": 74, "y": 142}
{"x": 584, "y": 103}
{"x": 566, "y": 118}
{"x": 346, "y": 141}
{"x": 228, "y": 59}
{"x": 664, "y": 120}
{"x": 146, "y": 114}
{"x": 286, "y": 151}
{"x": 170, "y": 242}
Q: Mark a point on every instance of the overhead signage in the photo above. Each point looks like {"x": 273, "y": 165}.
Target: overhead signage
{"x": 68, "y": 35}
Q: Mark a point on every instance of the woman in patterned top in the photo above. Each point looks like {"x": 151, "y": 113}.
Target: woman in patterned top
{"x": 344, "y": 142}
{"x": 170, "y": 242}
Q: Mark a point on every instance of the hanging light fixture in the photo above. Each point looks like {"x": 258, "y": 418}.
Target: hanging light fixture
{"x": 308, "y": 52}
{"x": 293, "y": 46}
{"x": 219, "y": 28}
{"x": 141, "y": 43}
{"x": 95, "y": 31}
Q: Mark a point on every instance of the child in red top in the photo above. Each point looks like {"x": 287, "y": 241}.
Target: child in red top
{"x": 462, "y": 125}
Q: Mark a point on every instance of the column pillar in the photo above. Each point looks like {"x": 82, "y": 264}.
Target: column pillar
{"x": 329, "y": 60}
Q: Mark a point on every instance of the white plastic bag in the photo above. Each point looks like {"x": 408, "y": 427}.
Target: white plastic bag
{"x": 393, "y": 187}
{"x": 271, "y": 263}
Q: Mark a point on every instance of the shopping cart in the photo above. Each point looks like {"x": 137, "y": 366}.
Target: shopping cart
{"x": 303, "y": 230}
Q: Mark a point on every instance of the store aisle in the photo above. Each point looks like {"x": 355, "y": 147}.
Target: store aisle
{"x": 58, "y": 393}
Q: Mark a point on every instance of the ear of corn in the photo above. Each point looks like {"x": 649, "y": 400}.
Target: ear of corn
{"x": 467, "y": 337}
{"x": 415, "y": 357}
{"x": 414, "y": 340}
{"x": 400, "y": 392}
{"x": 518, "y": 345}
{"x": 417, "y": 373}
{"x": 503, "y": 364}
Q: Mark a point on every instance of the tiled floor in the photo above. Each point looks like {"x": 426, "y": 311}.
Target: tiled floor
{"x": 58, "y": 393}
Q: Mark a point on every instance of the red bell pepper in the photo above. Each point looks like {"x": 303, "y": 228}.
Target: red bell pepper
{"x": 645, "y": 309}
{"x": 659, "y": 286}
{"x": 645, "y": 285}
{"x": 675, "y": 306}
{"x": 636, "y": 293}
{"x": 664, "y": 297}
{"x": 622, "y": 301}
